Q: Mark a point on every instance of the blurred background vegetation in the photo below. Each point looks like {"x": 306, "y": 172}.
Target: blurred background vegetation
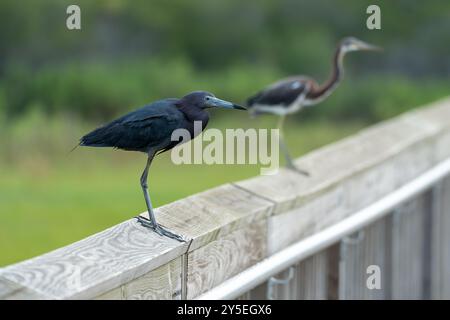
{"x": 56, "y": 85}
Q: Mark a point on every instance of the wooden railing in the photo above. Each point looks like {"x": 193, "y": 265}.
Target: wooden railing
{"x": 234, "y": 226}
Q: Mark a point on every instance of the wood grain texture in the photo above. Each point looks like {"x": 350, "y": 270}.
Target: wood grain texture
{"x": 163, "y": 283}
{"x": 309, "y": 281}
{"x": 333, "y": 258}
{"x": 212, "y": 214}
{"x": 96, "y": 264}
{"x": 13, "y": 291}
{"x": 408, "y": 250}
{"x": 445, "y": 241}
{"x": 440, "y": 270}
{"x": 7, "y": 288}
{"x": 258, "y": 293}
{"x": 223, "y": 258}
{"x": 357, "y": 253}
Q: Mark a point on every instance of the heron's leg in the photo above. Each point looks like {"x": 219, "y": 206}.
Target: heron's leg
{"x": 289, "y": 162}
{"x": 144, "y": 186}
{"x": 151, "y": 221}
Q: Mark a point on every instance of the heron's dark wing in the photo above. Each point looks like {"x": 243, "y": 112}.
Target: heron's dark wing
{"x": 283, "y": 92}
{"x": 150, "y": 126}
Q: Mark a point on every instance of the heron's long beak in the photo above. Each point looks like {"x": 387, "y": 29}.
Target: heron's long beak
{"x": 218, "y": 103}
{"x": 367, "y": 46}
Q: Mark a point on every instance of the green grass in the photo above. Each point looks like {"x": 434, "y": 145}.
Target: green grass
{"x": 49, "y": 198}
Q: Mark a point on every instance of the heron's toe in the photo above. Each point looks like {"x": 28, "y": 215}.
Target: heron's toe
{"x": 143, "y": 221}
{"x": 162, "y": 231}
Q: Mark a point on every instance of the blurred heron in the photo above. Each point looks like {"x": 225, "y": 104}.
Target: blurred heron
{"x": 149, "y": 130}
{"x": 290, "y": 95}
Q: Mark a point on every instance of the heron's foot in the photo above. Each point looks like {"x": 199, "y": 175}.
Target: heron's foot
{"x": 145, "y": 222}
{"x": 158, "y": 229}
{"x": 292, "y": 167}
{"x": 164, "y": 232}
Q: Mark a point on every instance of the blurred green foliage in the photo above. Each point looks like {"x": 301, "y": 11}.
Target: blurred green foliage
{"x": 131, "y": 52}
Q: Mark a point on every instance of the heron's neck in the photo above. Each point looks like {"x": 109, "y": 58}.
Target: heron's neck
{"x": 336, "y": 76}
{"x": 195, "y": 114}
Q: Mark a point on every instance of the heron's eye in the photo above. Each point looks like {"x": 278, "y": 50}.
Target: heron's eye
{"x": 208, "y": 98}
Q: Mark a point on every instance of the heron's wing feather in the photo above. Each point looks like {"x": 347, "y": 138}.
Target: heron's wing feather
{"x": 137, "y": 130}
{"x": 150, "y": 131}
{"x": 283, "y": 92}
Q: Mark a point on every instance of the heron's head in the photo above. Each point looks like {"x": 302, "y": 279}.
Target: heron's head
{"x": 352, "y": 44}
{"x": 203, "y": 100}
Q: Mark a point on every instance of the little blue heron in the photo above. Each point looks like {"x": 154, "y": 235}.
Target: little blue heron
{"x": 292, "y": 94}
{"x": 149, "y": 129}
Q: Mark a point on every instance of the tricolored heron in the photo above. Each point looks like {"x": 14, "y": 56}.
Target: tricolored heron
{"x": 292, "y": 94}
{"x": 149, "y": 129}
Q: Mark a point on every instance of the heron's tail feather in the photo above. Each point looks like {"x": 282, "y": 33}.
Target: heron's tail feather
{"x": 76, "y": 146}
{"x": 100, "y": 137}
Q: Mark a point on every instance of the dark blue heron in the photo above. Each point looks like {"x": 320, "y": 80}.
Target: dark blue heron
{"x": 292, "y": 94}
{"x": 149, "y": 129}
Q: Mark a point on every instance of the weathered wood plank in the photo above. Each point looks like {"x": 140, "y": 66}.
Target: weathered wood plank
{"x": 408, "y": 250}
{"x": 7, "y": 287}
{"x": 309, "y": 281}
{"x": 258, "y": 293}
{"x": 370, "y": 247}
{"x": 333, "y": 271}
{"x": 226, "y": 218}
{"x": 13, "y": 291}
{"x": 223, "y": 258}
{"x": 445, "y": 241}
{"x": 440, "y": 270}
{"x": 96, "y": 264}
{"x": 161, "y": 283}
{"x": 312, "y": 278}
{"x": 210, "y": 215}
